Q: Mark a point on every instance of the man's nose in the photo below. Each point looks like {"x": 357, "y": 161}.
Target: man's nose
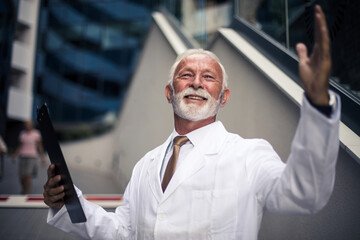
{"x": 197, "y": 82}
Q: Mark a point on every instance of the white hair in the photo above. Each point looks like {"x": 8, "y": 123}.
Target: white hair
{"x": 197, "y": 51}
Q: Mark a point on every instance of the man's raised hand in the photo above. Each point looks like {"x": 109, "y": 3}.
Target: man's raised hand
{"x": 314, "y": 70}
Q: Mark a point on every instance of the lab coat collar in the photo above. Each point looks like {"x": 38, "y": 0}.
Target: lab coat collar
{"x": 207, "y": 141}
{"x": 202, "y": 139}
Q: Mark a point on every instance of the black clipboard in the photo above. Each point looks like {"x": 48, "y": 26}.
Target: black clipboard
{"x": 51, "y": 143}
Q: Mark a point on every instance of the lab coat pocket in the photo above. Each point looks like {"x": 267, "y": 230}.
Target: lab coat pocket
{"x": 200, "y": 213}
{"x": 223, "y": 213}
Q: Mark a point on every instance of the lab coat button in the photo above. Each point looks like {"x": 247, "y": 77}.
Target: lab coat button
{"x": 161, "y": 217}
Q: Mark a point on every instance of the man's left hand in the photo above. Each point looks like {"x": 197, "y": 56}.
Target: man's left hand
{"x": 314, "y": 71}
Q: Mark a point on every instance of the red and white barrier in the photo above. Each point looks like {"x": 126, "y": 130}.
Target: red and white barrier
{"x": 37, "y": 201}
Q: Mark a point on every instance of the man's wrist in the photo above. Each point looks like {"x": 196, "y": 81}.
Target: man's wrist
{"x": 325, "y": 109}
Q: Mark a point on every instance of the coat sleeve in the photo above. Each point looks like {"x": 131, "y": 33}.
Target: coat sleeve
{"x": 305, "y": 184}
{"x": 101, "y": 224}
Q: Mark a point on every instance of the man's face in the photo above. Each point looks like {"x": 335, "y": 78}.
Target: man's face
{"x": 197, "y": 86}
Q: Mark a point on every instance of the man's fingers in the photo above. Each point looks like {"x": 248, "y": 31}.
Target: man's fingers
{"x": 321, "y": 31}
{"x": 52, "y": 182}
{"x": 301, "y": 52}
{"x": 53, "y": 193}
{"x": 55, "y": 201}
{"x": 51, "y": 171}
{"x": 54, "y": 197}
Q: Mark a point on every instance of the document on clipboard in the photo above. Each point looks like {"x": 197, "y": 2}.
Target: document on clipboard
{"x": 51, "y": 143}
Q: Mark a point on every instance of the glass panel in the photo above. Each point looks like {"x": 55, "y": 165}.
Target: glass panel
{"x": 342, "y": 18}
{"x": 266, "y": 15}
{"x": 343, "y": 23}
{"x": 202, "y": 18}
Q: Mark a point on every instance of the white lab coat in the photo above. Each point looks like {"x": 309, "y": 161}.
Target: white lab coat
{"x": 221, "y": 188}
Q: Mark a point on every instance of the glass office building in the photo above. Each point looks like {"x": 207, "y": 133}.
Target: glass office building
{"x": 86, "y": 54}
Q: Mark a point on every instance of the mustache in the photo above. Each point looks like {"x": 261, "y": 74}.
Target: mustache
{"x": 190, "y": 91}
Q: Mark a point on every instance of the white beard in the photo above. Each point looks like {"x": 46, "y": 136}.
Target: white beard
{"x": 192, "y": 111}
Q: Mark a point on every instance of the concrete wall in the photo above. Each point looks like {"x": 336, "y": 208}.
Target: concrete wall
{"x": 146, "y": 119}
{"x": 94, "y": 154}
{"x": 257, "y": 108}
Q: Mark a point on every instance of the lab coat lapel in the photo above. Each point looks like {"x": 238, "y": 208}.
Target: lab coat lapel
{"x": 192, "y": 163}
{"x": 153, "y": 173}
{"x": 210, "y": 144}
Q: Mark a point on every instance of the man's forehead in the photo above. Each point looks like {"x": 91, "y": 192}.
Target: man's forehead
{"x": 199, "y": 59}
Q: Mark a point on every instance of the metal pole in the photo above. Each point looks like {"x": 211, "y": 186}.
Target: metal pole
{"x": 287, "y": 24}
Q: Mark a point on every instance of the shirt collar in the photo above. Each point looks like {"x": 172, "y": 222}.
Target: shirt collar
{"x": 197, "y": 135}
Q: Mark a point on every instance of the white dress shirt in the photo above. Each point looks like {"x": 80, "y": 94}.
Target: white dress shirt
{"x": 194, "y": 137}
{"x": 184, "y": 150}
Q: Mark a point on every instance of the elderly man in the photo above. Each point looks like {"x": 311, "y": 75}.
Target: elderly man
{"x": 204, "y": 182}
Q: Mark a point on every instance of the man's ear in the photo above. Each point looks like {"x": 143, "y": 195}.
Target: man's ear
{"x": 168, "y": 93}
{"x": 225, "y": 97}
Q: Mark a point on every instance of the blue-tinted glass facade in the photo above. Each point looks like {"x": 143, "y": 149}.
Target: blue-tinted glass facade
{"x": 87, "y": 52}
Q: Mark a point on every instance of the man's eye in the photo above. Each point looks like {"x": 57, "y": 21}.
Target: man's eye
{"x": 209, "y": 77}
{"x": 186, "y": 75}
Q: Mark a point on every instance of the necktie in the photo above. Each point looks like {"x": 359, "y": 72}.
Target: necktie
{"x": 170, "y": 168}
